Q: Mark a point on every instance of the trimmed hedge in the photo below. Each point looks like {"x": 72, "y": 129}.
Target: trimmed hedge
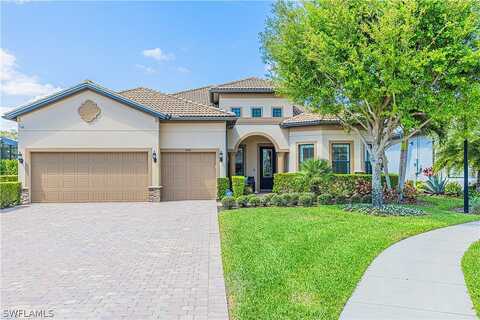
{"x": 238, "y": 186}
{"x": 9, "y": 194}
{"x": 336, "y": 184}
{"x": 8, "y": 167}
{"x": 223, "y": 184}
{"x": 288, "y": 182}
{"x": 9, "y": 178}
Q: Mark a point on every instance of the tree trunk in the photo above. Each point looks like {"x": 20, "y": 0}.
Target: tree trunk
{"x": 402, "y": 170}
{"x": 377, "y": 192}
{"x": 385, "y": 171}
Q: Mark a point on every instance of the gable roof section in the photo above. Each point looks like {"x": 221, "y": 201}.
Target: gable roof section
{"x": 200, "y": 95}
{"x": 177, "y": 107}
{"x": 86, "y": 85}
{"x": 308, "y": 119}
{"x": 252, "y": 85}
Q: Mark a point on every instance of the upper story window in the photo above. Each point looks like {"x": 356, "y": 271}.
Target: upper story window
{"x": 305, "y": 152}
{"x": 256, "y": 112}
{"x": 277, "y": 112}
{"x": 237, "y": 111}
{"x": 341, "y": 157}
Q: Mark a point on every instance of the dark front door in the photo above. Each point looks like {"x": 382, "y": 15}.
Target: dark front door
{"x": 268, "y": 166}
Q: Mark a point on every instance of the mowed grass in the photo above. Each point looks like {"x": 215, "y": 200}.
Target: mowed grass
{"x": 471, "y": 271}
{"x": 304, "y": 263}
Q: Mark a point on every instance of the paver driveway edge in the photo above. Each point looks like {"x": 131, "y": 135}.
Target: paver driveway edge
{"x": 417, "y": 278}
{"x": 94, "y": 261}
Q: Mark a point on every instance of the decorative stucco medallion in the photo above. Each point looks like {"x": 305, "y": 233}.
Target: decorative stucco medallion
{"x": 89, "y": 111}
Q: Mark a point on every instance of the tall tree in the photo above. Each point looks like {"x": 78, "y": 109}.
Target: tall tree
{"x": 376, "y": 65}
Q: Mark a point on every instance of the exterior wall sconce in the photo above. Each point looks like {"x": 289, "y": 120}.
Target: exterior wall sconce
{"x": 220, "y": 156}
{"x": 20, "y": 157}
{"x": 154, "y": 156}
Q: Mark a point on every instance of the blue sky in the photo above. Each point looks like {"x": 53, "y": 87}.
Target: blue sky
{"x": 167, "y": 46}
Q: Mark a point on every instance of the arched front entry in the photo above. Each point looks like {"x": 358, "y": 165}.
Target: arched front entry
{"x": 258, "y": 157}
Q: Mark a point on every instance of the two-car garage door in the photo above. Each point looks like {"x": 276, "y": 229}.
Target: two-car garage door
{"x": 120, "y": 176}
{"x": 89, "y": 176}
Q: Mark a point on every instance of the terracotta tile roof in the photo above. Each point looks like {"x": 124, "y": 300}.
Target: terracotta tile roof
{"x": 251, "y": 84}
{"x": 174, "y": 106}
{"x": 200, "y": 95}
{"x": 308, "y": 119}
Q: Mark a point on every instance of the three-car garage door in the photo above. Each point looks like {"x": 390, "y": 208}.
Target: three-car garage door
{"x": 89, "y": 176}
{"x": 188, "y": 175}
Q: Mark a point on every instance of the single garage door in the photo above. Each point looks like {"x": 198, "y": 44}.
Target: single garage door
{"x": 89, "y": 176}
{"x": 189, "y": 175}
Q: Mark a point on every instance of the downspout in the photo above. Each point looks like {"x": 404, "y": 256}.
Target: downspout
{"x": 227, "y": 158}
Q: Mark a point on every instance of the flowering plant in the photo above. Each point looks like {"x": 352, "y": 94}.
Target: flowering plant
{"x": 428, "y": 172}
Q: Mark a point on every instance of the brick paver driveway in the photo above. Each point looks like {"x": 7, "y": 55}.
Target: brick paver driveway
{"x": 113, "y": 261}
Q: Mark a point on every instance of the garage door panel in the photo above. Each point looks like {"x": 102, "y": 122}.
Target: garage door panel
{"x": 89, "y": 176}
{"x": 188, "y": 175}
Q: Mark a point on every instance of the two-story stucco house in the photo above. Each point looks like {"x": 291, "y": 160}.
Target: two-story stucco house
{"x": 89, "y": 143}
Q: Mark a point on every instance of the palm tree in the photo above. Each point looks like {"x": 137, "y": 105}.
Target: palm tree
{"x": 450, "y": 154}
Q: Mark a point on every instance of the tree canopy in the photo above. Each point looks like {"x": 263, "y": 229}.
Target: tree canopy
{"x": 376, "y": 65}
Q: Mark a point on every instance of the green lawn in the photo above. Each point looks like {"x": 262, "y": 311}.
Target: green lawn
{"x": 304, "y": 263}
{"x": 471, "y": 270}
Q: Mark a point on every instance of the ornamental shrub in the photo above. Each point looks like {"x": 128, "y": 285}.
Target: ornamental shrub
{"x": 278, "y": 201}
{"x": 475, "y": 205}
{"x": 238, "y": 186}
{"x": 293, "y": 201}
{"x": 325, "y": 198}
{"x": 453, "y": 188}
{"x": 253, "y": 201}
{"x": 223, "y": 184}
{"x": 266, "y": 199}
{"x": 356, "y": 198}
{"x": 9, "y": 194}
{"x": 228, "y": 202}
{"x": 242, "y": 201}
{"x": 9, "y": 178}
{"x": 305, "y": 200}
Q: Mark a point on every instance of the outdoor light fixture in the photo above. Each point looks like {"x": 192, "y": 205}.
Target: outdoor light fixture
{"x": 220, "y": 156}
{"x": 20, "y": 157}
{"x": 154, "y": 156}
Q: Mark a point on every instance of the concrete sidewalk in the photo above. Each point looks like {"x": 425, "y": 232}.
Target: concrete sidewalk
{"x": 417, "y": 278}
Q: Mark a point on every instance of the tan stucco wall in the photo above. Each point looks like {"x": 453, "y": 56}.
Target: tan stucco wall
{"x": 238, "y": 133}
{"x": 322, "y": 138}
{"x": 245, "y": 102}
{"x": 208, "y": 135}
{"x": 59, "y": 126}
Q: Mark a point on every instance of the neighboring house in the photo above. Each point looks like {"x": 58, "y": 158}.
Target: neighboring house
{"x": 421, "y": 155}
{"x": 89, "y": 143}
{"x": 8, "y": 148}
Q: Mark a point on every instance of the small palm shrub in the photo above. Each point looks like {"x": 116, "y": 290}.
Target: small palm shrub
{"x": 325, "y": 198}
{"x": 242, "y": 201}
{"x": 228, "y": 202}
{"x": 253, "y": 201}
{"x": 453, "y": 188}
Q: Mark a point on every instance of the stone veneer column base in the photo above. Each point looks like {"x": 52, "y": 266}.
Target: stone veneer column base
{"x": 154, "y": 193}
{"x": 25, "y": 196}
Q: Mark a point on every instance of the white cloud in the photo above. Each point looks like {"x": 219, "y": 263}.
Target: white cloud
{"x": 183, "y": 70}
{"x": 16, "y": 83}
{"x": 146, "y": 69}
{"x": 158, "y": 54}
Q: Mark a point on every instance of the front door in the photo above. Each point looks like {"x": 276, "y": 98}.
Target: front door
{"x": 268, "y": 166}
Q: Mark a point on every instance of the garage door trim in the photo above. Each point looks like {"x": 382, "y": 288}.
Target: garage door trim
{"x": 29, "y": 151}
